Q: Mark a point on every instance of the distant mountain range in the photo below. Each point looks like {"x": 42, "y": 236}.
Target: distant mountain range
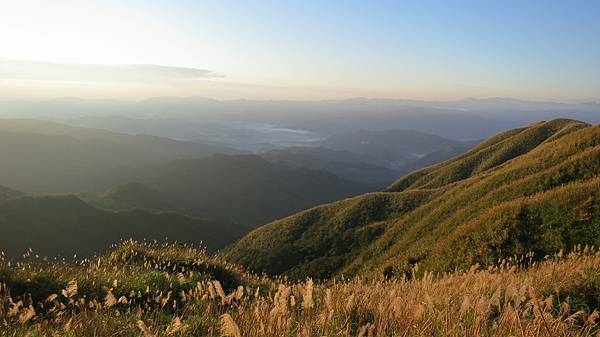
{"x": 255, "y": 125}
{"x": 119, "y": 171}
{"x": 535, "y": 188}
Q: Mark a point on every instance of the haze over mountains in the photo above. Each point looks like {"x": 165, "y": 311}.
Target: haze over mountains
{"x": 262, "y": 125}
{"x": 205, "y": 126}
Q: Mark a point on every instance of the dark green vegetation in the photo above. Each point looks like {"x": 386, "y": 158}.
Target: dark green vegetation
{"x": 65, "y": 225}
{"x": 128, "y": 196}
{"x": 156, "y": 281}
{"x": 530, "y": 189}
{"x": 245, "y": 188}
{"x": 129, "y": 266}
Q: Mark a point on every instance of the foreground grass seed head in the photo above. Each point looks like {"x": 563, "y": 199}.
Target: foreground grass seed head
{"x": 174, "y": 290}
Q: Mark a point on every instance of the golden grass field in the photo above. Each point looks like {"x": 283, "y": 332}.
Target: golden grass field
{"x": 173, "y": 290}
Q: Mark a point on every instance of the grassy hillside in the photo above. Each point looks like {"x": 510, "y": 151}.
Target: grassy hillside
{"x": 65, "y": 225}
{"x": 245, "y": 189}
{"x": 535, "y": 188}
{"x": 175, "y": 290}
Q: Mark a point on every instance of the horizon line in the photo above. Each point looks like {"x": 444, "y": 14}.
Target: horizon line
{"x": 572, "y": 101}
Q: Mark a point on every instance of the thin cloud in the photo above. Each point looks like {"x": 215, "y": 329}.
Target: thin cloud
{"x": 126, "y": 73}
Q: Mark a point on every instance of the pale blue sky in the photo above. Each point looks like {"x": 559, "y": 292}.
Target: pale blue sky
{"x": 318, "y": 49}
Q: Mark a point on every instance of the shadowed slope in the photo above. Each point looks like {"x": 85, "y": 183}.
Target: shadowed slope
{"x": 65, "y": 225}
{"x": 128, "y": 196}
{"x": 246, "y": 189}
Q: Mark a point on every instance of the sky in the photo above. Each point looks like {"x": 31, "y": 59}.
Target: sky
{"x": 306, "y": 49}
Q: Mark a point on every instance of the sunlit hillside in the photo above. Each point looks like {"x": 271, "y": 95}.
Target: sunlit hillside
{"x": 529, "y": 189}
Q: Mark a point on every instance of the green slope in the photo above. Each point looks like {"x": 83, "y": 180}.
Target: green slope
{"x": 535, "y": 188}
{"x": 65, "y": 225}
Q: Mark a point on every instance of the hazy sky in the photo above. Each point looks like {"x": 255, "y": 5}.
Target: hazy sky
{"x": 300, "y": 49}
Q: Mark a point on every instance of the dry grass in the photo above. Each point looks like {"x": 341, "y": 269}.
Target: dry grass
{"x": 114, "y": 296}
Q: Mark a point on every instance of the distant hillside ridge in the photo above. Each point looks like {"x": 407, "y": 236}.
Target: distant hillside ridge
{"x": 393, "y": 149}
{"x": 46, "y": 157}
{"x": 65, "y": 225}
